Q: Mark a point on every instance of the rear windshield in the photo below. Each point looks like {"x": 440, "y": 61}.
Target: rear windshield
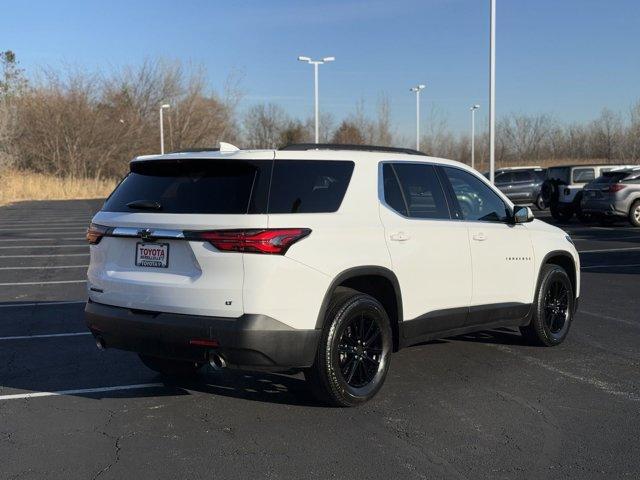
{"x": 191, "y": 186}
{"x": 232, "y": 186}
{"x": 611, "y": 177}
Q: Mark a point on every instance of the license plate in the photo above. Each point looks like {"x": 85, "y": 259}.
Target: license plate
{"x": 152, "y": 255}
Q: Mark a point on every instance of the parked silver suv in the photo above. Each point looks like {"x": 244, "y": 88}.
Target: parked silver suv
{"x": 615, "y": 194}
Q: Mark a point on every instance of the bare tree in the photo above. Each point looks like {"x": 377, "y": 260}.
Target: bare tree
{"x": 264, "y": 126}
{"x": 348, "y": 133}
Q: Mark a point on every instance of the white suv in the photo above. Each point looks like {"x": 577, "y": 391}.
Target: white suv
{"x": 317, "y": 258}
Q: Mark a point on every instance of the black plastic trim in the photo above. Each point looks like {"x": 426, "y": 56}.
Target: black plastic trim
{"x": 576, "y": 273}
{"x": 336, "y": 146}
{"x": 250, "y": 341}
{"x": 358, "y": 272}
{"x": 455, "y": 321}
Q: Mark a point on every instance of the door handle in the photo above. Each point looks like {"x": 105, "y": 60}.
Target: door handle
{"x": 399, "y": 237}
{"x": 480, "y": 237}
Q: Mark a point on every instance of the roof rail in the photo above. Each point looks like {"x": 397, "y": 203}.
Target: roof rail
{"x": 198, "y": 149}
{"x": 338, "y": 146}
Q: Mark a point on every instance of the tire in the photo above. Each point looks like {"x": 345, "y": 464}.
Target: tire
{"x": 553, "y": 308}
{"x": 171, "y": 368}
{"x": 346, "y": 373}
{"x": 634, "y": 214}
{"x": 561, "y": 215}
{"x": 540, "y": 203}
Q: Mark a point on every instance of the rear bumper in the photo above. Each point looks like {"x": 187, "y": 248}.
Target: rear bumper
{"x": 603, "y": 207}
{"x": 249, "y": 341}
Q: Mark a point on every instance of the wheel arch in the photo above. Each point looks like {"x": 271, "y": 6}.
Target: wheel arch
{"x": 379, "y": 282}
{"x": 563, "y": 259}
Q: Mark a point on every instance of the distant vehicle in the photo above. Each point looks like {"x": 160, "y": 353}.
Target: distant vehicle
{"x": 321, "y": 259}
{"x": 562, "y": 190}
{"x": 522, "y": 185}
{"x": 615, "y": 194}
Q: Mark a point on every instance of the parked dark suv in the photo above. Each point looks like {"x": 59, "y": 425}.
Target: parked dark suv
{"x": 522, "y": 185}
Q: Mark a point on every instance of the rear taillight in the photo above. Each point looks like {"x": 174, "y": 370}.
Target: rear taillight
{"x": 616, "y": 187}
{"x": 95, "y": 233}
{"x": 274, "y": 241}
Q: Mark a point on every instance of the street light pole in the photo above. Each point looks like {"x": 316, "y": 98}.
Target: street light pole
{"x": 162, "y": 107}
{"x": 492, "y": 93}
{"x": 417, "y": 90}
{"x": 315, "y": 64}
{"x": 473, "y": 135}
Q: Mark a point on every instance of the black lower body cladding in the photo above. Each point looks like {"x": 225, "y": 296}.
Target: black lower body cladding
{"x": 249, "y": 341}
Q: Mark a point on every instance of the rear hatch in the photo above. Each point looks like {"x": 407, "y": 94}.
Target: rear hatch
{"x": 149, "y": 253}
{"x": 604, "y": 187}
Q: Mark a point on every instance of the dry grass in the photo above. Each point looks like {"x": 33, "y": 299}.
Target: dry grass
{"x": 18, "y": 185}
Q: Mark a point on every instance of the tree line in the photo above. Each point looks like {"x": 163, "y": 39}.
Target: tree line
{"x": 80, "y": 124}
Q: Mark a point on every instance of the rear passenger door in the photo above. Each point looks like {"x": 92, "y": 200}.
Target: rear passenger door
{"x": 429, "y": 251}
{"x": 501, "y": 252}
{"x": 522, "y": 187}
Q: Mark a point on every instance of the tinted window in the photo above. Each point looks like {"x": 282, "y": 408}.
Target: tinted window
{"x": 476, "y": 199}
{"x": 611, "y": 177}
{"x": 523, "y": 176}
{"x": 414, "y": 190}
{"x": 308, "y": 186}
{"x": 392, "y": 194}
{"x": 503, "y": 177}
{"x": 559, "y": 173}
{"x": 583, "y": 175}
{"x": 193, "y": 186}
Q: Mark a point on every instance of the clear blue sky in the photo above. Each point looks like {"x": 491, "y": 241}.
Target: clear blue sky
{"x": 570, "y": 58}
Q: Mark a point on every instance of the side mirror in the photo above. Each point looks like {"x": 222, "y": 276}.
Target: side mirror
{"x": 522, "y": 214}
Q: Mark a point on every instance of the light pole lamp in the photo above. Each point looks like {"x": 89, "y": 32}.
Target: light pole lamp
{"x": 417, "y": 90}
{"x": 473, "y": 134}
{"x": 315, "y": 64}
{"x": 162, "y": 107}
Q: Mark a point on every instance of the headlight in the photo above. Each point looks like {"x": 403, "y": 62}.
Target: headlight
{"x": 568, "y": 237}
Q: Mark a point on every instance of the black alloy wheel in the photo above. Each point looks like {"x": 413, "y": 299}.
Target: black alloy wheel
{"x": 360, "y": 351}
{"x": 553, "y": 308}
{"x": 354, "y": 350}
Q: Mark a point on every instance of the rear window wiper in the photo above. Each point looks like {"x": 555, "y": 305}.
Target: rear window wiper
{"x": 144, "y": 205}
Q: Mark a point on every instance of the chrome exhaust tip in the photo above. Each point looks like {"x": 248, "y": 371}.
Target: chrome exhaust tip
{"x": 100, "y": 343}
{"x": 217, "y": 361}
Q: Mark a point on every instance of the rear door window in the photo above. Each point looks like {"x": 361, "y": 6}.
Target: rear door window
{"x": 193, "y": 186}
{"x": 308, "y": 186}
{"x": 414, "y": 190}
{"x": 524, "y": 177}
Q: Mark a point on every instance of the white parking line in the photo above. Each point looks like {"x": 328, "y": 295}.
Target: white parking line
{"x": 39, "y": 304}
{"x": 41, "y": 283}
{"x": 610, "y": 266}
{"x": 47, "y": 256}
{"x": 609, "y": 317}
{"x": 601, "y": 239}
{"x": 80, "y": 391}
{"x": 39, "y": 229}
{"x": 50, "y": 335}
{"x": 18, "y": 225}
{"x": 73, "y": 231}
{"x": 38, "y": 239}
{"x": 48, "y": 267}
{"x": 75, "y": 245}
{"x": 602, "y": 250}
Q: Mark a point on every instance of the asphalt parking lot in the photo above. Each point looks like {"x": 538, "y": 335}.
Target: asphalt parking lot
{"x": 479, "y": 406}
